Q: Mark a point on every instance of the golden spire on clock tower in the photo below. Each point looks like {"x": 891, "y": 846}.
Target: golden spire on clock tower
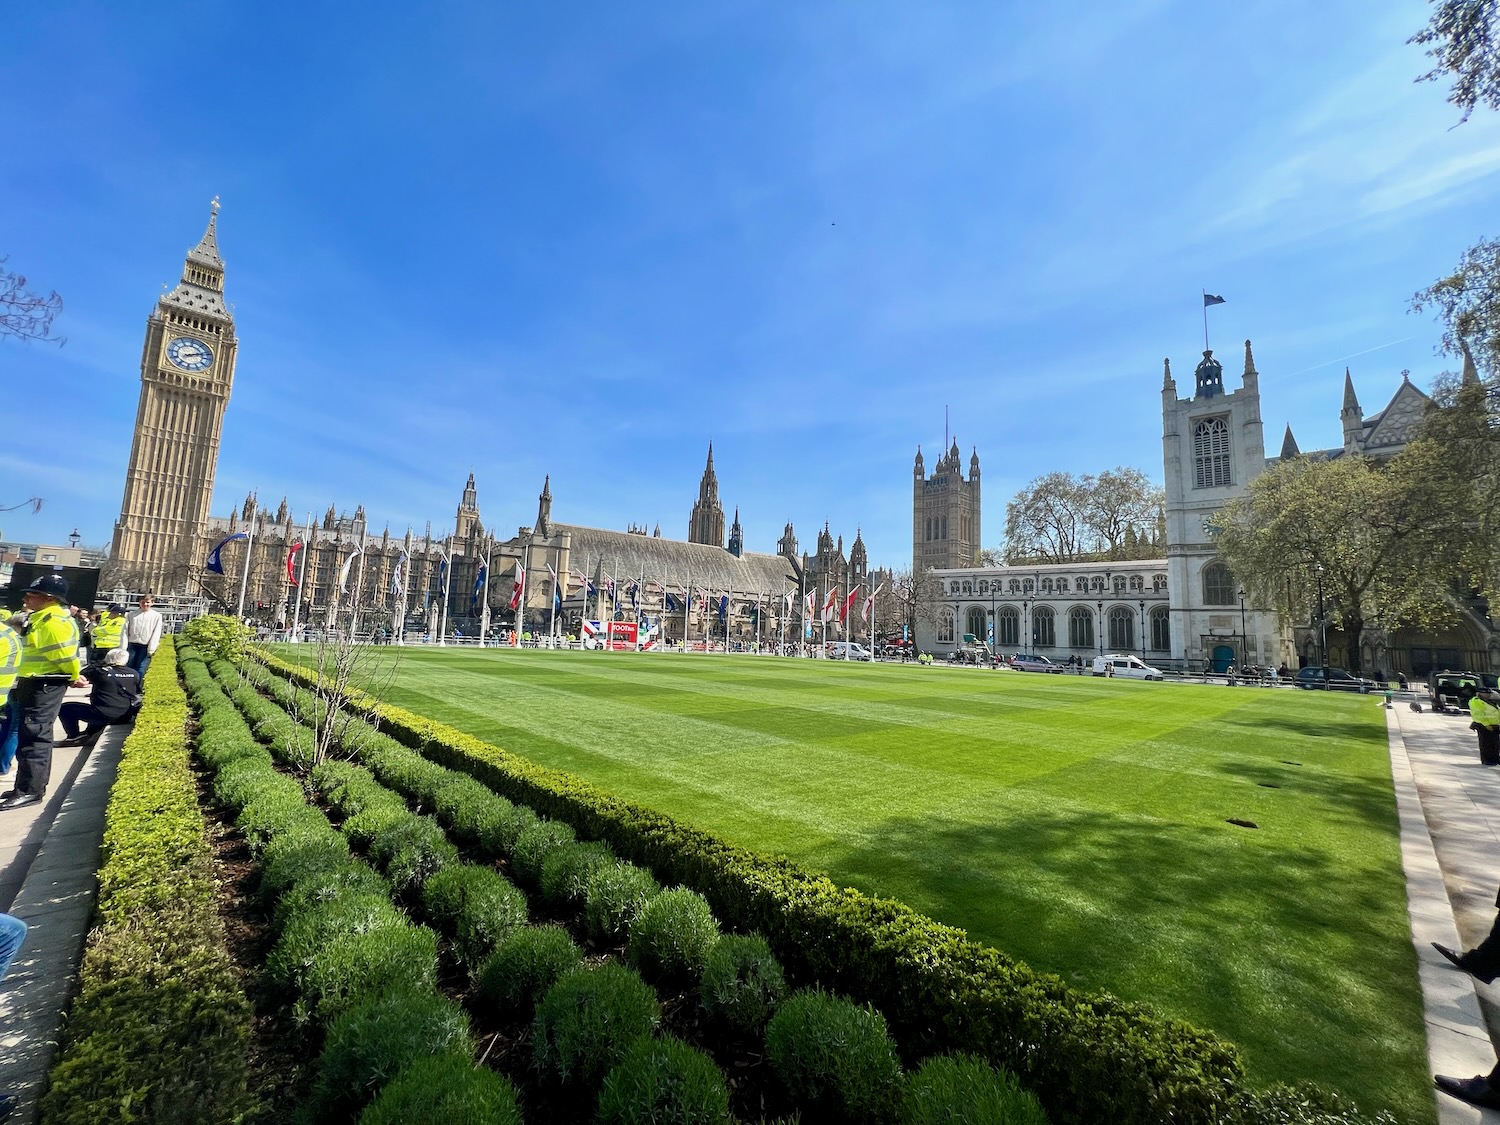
{"x": 187, "y": 370}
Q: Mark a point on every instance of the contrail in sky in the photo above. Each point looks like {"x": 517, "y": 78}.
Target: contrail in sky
{"x": 1345, "y": 359}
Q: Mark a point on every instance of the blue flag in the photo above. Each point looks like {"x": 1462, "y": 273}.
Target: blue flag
{"x": 671, "y": 604}
{"x": 635, "y": 595}
{"x": 215, "y": 565}
{"x": 1210, "y": 299}
{"x": 478, "y": 585}
{"x": 723, "y": 606}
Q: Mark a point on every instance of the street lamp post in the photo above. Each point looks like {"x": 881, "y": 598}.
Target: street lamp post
{"x": 1099, "y": 623}
{"x": 1025, "y": 618}
{"x": 1143, "y": 630}
{"x": 1244, "y": 640}
{"x": 1322, "y": 623}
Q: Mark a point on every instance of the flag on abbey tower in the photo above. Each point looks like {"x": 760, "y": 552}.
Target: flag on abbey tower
{"x": 515, "y": 595}
{"x": 1210, "y": 299}
{"x": 291, "y": 563}
{"x": 848, "y": 604}
{"x": 215, "y": 565}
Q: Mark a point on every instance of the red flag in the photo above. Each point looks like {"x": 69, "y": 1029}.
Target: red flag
{"x": 864, "y": 612}
{"x": 515, "y": 596}
{"x": 833, "y": 597}
{"x": 848, "y": 603}
{"x": 291, "y": 563}
{"x": 809, "y": 603}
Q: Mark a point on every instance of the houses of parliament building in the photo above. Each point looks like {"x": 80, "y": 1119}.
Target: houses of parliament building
{"x": 294, "y": 568}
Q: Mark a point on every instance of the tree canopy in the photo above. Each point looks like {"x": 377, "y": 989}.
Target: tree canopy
{"x": 1062, "y": 518}
{"x": 1462, "y": 37}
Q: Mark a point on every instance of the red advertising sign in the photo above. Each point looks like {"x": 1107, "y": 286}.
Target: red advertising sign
{"x": 622, "y": 636}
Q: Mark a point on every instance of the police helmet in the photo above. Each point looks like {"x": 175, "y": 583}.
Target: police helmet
{"x": 50, "y": 586}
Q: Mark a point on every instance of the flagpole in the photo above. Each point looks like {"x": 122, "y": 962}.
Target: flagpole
{"x": 359, "y": 586}
{"x": 484, "y": 613}
{"x": 301, "y": 574}
{"x": 1205, "y": 320}
{"x": 245, "y": 573}
{"x": 728, "y": 610}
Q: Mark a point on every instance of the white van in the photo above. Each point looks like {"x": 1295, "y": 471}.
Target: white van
{"x": 846, "y": 650}
{"x": 1125, "y": 667}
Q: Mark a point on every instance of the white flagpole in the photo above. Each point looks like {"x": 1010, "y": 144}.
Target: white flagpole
{"x": 442, "y": 638}
{"x": 245, "y": 573}
{"x": 301, "y": 574}
{"x": 728, "y": 613}
{"x": 359, "y": 585}
{"x": 484, "y": 613}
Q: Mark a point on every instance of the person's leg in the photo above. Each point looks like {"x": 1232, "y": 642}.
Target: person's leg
{"x": 134, "y": 655}
{"x": 12, "y": 934}
{"x": 71, "y": 714}
{"x": 34, "y": 750}
{"x": 10, "y": 733}
{"x": 145, "y": 663}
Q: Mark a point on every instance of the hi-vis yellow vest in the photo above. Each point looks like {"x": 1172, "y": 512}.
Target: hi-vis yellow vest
{"x": 10, "y": 657}
{"x": 110, "y": 629}
{"x": 1485, "y": 714}
{"x": 51, "y": 644}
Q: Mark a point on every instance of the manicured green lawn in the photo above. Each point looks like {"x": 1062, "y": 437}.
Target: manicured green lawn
{"x": 1078, "y": 824}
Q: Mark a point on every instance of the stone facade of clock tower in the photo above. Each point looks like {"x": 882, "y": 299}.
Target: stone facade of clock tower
{"x": 187, "y": 370}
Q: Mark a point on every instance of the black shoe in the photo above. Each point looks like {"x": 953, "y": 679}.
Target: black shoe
{"x": 1475, "y": 1091}
{"x": 7, "y": 795}
{"x": 20, "y": 801}
{"x": 76, "y": 740}
{"x": 1461, "y": 960}
{"x": 8, "y": 1104}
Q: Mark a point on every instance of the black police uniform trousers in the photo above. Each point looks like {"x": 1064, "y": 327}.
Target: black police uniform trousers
{"x": 39, "y": 698}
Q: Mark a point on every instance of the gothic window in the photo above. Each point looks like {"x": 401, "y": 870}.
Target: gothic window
{"x": 1081, "y": 584}
{"x": 976, "y": 622}
{"x": 1028, "y": 586}
{"x": 945, "y": 527}
{"x": 984, "y": 587}
{"x": 1043, "y": 627}
{"x": 1211, "y": 468}
{"x": 1218, "y": 585}
{"x": 1062, "y": 585}
{"x": 1119, "y": 584}
{"x": 1015, "y": 586}
{"x": 968, "y": 588}
{"x": 1007, "y": 627}
{"x": 1159, "y": 582}
{"x": 1080, "y": 628}
{"x": 1046, "y": 585}
{"x": 1161, "y": 630}
{"x": 929, "y": 529}
{"x": 955, "y": 589}
{"x": 1098, "y": 583}
{"x": 1122, "y": 628}
{"x": 945, "y": 627}
{"x": 1137, "y": 584}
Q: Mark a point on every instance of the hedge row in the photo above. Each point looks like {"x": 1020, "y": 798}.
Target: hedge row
{"x": 1087, "y": 1057}
{"x": 834, "y": 1057}
{"x": 160, "y": 1028}
{"x": 361, "y": 971}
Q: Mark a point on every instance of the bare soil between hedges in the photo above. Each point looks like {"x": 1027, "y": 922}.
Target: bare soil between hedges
{"x": 282, "y": 1052}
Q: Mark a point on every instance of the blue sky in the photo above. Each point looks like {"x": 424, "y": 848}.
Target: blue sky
{"x": 585, "y": 240}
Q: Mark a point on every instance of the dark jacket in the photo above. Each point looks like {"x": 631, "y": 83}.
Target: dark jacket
{"x": 117, "y": 690}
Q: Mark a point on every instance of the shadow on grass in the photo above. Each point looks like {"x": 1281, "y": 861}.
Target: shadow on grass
{"x": 1310, "y": 726}
{"x": 1356, "y": 802}
{"x": 1300, "y": 957}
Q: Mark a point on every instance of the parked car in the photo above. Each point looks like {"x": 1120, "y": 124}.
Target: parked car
{"x": 1332, "y": 679}
{"x": 1021, "y": 662}
{"x": 1451, "y": 690}
{"x": 1125, "y": 667}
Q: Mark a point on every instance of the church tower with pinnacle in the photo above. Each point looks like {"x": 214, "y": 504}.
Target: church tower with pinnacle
{"x": 945, "y": 527}
{"x": 187, "y": 370}
{"x": 706, "y": 524}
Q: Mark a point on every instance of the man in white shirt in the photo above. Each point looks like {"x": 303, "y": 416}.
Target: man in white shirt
{"x": 142, "y": 635}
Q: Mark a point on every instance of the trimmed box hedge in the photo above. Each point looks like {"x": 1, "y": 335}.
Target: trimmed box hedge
{"x": 160, "y": 1027}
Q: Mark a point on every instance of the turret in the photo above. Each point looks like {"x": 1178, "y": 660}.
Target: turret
{"x": 1289, "y": 445}
{"x": 1351, "y": 416}
{"x": 1251, "y": 379}
{"x": 1209, "y": 376}
{"x": 543, "y": 527}
{"x": 736, "y": 536}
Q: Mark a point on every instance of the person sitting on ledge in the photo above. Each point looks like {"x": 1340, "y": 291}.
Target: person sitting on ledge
{"x": 1483, "y": 964}
{"x": 115, "y": 699}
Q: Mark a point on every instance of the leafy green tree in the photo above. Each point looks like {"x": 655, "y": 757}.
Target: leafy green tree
{"x": 1467, "y": 303}
{"x": 1061, "y": 518}
{"x": 1368, "y": 535}
{"x": 1463, "y": 36}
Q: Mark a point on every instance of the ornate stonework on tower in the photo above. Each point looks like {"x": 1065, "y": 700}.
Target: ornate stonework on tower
{"x": 706, "y": 524}
{"x": 468, "y": 523}
{"x": 945, "y": 525}
{"x": 187, "y": 370}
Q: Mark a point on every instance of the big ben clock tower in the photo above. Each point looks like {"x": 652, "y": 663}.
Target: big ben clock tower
{"x": 187, "y": 369}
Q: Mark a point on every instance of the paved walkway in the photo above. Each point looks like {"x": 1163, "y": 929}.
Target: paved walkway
{"x": 49, "y": 854}
{"x": 1449, "y": 809}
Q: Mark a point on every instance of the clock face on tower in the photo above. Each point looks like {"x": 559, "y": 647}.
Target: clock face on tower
{"x": 189, "y": 354}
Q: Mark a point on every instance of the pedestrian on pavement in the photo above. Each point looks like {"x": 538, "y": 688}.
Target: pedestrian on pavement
{"x": 109, "y": 632}
{"x": 85, "y": 625}
{"x": 49, "y": 663}
{"x": 115, "y": 699}
{"x": 10, "y": 713}
{"x": 1486, "y": 724}
{"x": 142, "y": 635}
{"x": 1483, "y": 964}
